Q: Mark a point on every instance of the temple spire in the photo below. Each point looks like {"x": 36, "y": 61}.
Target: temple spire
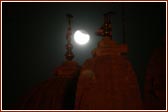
{"x": 69, "y": 54}
{"x": 107, "y": 24}
{"x": 106, "y": 29}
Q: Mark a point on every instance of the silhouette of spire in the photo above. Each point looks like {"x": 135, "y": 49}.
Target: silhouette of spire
{"x": 106, "y": 29}
{"x": 69, "y": 54}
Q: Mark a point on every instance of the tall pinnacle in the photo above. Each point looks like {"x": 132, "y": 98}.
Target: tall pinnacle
{"x": 69, "y": 54}
{"x": 106, "y": 29}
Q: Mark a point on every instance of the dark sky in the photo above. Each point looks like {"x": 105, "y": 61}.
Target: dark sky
{"x": 34, "y": 38}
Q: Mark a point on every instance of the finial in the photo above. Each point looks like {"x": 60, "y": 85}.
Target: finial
{"x": 106, "y": 29}
{"x": 69, "y": 54}
{"x": 107, "y": 24}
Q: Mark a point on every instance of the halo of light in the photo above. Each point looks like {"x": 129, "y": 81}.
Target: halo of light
{"x": 81, "y": 37}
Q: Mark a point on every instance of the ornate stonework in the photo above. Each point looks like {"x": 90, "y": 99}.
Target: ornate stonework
{"x": 107, "y": 80}
{"x": 108, "y": 46}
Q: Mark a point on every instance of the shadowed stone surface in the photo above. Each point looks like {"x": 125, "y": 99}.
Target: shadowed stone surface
{"x": 107, "y": 81}
{"x": 155, "y": 81}
{"x": 56, "y": 93}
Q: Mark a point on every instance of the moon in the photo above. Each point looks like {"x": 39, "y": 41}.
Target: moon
{"x": 81, "y": 37}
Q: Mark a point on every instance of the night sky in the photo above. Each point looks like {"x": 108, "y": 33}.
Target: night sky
{"x": 34, "y": 38}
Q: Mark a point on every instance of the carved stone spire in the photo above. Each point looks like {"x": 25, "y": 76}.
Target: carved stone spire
{"x": 106, "y": 29}
{"x": 107, "y": 46}
{"x": 69, "y": 54}
{"x": 69, "y": 68}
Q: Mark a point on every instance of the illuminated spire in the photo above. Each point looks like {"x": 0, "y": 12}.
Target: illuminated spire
{"x": 69, "y": 54}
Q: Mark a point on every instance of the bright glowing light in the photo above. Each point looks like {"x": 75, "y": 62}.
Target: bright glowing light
{"x": 81, "y": 37}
